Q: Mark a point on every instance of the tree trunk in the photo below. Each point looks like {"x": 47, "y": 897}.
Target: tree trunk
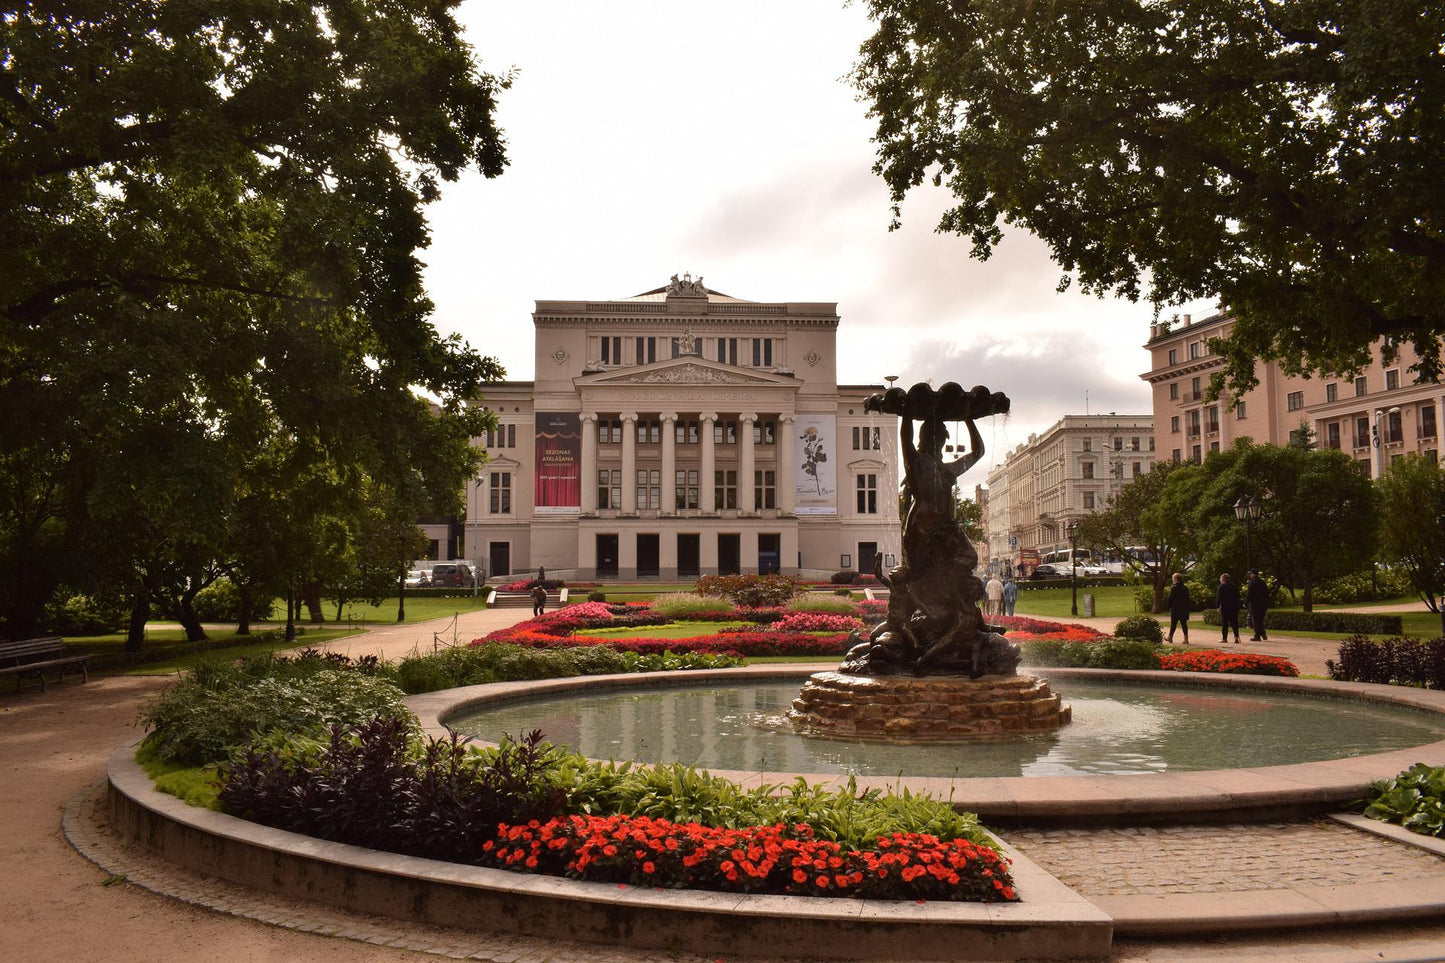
{"x": 290, "y": 615}
{"x": 243, "y": 620}
{"x": 1309, "y": 594}
{"x": 311, "y": 594}
{"x": 1159, "y": 592}
{"x": 186, "y": 615}
{"x": 140, "y": 613}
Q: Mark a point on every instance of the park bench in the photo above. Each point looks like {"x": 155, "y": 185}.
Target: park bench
{"x": 31, "y": 657}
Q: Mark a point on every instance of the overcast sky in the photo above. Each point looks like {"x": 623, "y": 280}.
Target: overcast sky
{"x": 652, "y": 138}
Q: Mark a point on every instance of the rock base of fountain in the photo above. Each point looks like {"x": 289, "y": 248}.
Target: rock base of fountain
{"x": 934, "y": 708}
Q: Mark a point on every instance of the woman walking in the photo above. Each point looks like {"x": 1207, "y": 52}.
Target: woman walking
{"x": 1179, "y": 607}
{"x": 1226, "y": 598}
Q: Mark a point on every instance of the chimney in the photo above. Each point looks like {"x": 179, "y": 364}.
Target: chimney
{"x": 1187, "y": 319}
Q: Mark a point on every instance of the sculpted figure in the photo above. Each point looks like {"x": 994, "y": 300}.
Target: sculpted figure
{"x": 934, "y": 623}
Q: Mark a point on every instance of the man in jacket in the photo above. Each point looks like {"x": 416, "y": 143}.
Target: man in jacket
{"x": 993, "y": 592}
{"x": 1010, "y": 595}
{"x": 1179, "y": 607}
{"x": 1226, "y": 599}
{"x": 1256, "y": 593}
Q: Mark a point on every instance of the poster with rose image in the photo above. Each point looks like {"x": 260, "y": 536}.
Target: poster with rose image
{"x": 815, "y": 486}
{"x": 559, "y": 463}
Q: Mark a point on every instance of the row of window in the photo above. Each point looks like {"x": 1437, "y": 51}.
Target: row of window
{"x": 759, "y": 352}
{"x": 1295, "y": 400}
{"x": 609, "y": 432}
{"x": 1086, "y": 469}
{"x": 1118, "y": 443}
{"x": 649, "y": 490}
{"x": 502, "y": 436}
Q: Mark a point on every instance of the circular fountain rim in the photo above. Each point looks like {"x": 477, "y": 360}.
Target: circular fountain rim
{"x": 1267, "y": 792}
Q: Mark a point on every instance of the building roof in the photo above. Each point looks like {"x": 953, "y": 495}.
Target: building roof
{"x": 713, "y": 297}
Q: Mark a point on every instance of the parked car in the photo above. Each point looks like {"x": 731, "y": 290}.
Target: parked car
{"x": 451, "y": 575}
{"x": 418, "y": 578}
{"x": 1048, "y": 571}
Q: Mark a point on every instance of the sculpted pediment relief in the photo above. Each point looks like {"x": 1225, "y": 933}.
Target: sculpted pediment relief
{"x": 685, "y": 372}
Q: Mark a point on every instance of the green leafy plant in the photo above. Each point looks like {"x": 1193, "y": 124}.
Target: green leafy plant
{"x": 688, "y": 605}
{"x": 750, "y": 590}
{"x": 1415, "y": 799}
{"x": 1139, "y": 627}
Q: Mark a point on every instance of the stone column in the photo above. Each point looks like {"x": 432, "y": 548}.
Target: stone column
{"x": 705, "y": 472}
{"x": 589, "y": 463}
{"x": 747, "y": 495}
{"x": 669, "y": 463}
{"x": 629, "y": 463}
{"x": 785, "y": 464}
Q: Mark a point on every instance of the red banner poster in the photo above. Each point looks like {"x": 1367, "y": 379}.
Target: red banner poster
{"x": 558, "y": 467}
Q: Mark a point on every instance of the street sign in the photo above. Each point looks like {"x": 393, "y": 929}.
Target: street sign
{"x": 1013, "y": 541}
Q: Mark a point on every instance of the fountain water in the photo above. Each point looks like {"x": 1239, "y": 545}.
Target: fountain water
{"x": 933, "y": 669}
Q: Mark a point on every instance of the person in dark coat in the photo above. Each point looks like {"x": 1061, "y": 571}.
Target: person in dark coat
{"x": 1256, "y": 593}
{"x": 539, "y": 599}
{"x": 1179, "y": 607}
{"x": 1226, "y": 599}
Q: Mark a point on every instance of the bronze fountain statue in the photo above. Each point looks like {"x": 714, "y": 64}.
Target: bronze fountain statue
{"x": 933, "y": 669}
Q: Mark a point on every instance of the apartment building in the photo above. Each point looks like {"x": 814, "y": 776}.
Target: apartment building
{"x": 1376, "y": 415}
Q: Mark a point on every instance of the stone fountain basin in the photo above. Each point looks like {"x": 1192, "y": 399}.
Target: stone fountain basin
{"x": 1260, "y": 793}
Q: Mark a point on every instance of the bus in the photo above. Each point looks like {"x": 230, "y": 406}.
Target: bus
{"x": 1086, "y": 560}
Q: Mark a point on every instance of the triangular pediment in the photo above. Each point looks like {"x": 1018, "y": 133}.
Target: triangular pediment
{"x": 687, "y": 371}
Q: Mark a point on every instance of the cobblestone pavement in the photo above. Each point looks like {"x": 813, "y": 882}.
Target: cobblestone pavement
{"x": 1154, "y": 860}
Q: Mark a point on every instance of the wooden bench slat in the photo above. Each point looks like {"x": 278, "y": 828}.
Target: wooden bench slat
{"x": 30, "y": 657}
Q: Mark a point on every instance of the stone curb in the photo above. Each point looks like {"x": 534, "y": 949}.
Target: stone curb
{"x": 1269, "y": 792}
{"x": 1052, "y": 921}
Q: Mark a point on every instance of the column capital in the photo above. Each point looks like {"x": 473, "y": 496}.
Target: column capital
{"x": 748, "y": 416}
{"x": 629, "y": 416}
{"x": 787, "y": 419}
{"x": 708, "y": 416}
{"x": 668, "y": 416}
{"x": 589, "y": 416}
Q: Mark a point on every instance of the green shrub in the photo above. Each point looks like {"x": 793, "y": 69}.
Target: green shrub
{"x": 1357, "y": 622}
{"x": 214, "y": 711}
{"x": 498, "y": 662}
{"x": 1118, "y": 654}
{"x": 1394, "y": 661}
{"x": 1361, "y": 587}
{"x": 597, "y": 596}
{"x": 221, "y": 602}
{"x": 842, "y": 593}
{"x": 1139, "y": 627}
{"x": 687, "y": 605}
{"x": 1144, "y": 598}
{"x": 85, "y": 615}
{"x": 1201, "y": 596}
{"x": 845, "y": 577}
{"x": 831, "y": 604}
{"x": 750, "y": 590}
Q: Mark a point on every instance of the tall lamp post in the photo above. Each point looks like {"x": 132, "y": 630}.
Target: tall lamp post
{"x": 1072, "y": 530}
{"x": 1247, "y": 510}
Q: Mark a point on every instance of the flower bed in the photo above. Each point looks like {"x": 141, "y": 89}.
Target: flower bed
{"x": 639, "y": 850}
{"x": 1237, "y": 663}
{"x": 742, "y": 643}
{"x": 816, "y": 622}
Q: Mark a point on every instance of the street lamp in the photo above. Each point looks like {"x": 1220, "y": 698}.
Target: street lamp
{"x": 1247, "y": 510}
{"x": 1072, "y": 530}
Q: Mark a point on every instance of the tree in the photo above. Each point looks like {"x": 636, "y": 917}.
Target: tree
{"x": 1139, "y": 515}
{"x": 969, "y": 516}
{"x": 1281, "y": 156}
{"x": 1303, "y": 436}
{"x": 1412, "y": 525}
{"x": 1319, "y": 519}
{"x": 213, "y": 211}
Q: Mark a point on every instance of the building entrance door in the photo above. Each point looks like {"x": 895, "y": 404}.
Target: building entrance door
{"x": 866, "y": 553}
{"x": 606, "y": 556}
{"x": 689, "y": 550}
{"x": 729, "y": 554}
{"x": 770, "y": 553}
{"x": 499, "y": 558}
{"x": 647, "y": 556}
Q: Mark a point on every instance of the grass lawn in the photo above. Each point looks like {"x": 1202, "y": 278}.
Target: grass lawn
{"x": 1053, "y": 602}
{"x": 167, "y": 651}
{"x": 418, "y": 609}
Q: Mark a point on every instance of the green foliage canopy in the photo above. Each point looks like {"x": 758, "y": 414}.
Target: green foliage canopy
{"x": 1284, "y": 157}
{"x": 1412, "y": 524}
{"x": 212, "y": 216}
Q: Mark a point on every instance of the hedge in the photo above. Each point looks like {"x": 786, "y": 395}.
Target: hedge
{"x": 449, "y": 592}
{"x": 1394, "y": 661}
{"x": 1359, "y": 622}
{"x": 1090, "y": 581}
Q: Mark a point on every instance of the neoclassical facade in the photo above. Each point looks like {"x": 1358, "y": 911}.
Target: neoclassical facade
{"x": 683, "y": 432}
{"x": 1069, "y": 470}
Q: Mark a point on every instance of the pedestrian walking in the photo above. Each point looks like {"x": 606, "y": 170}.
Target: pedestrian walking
{"x": 1256, "y": 593}
{"x": 1010, "y": 595}
{"x": 1179, "y": 607}
{"x": 993, "y": 591}
{"x": 1226, "y": 599}
{"x": 539, "y": 599}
